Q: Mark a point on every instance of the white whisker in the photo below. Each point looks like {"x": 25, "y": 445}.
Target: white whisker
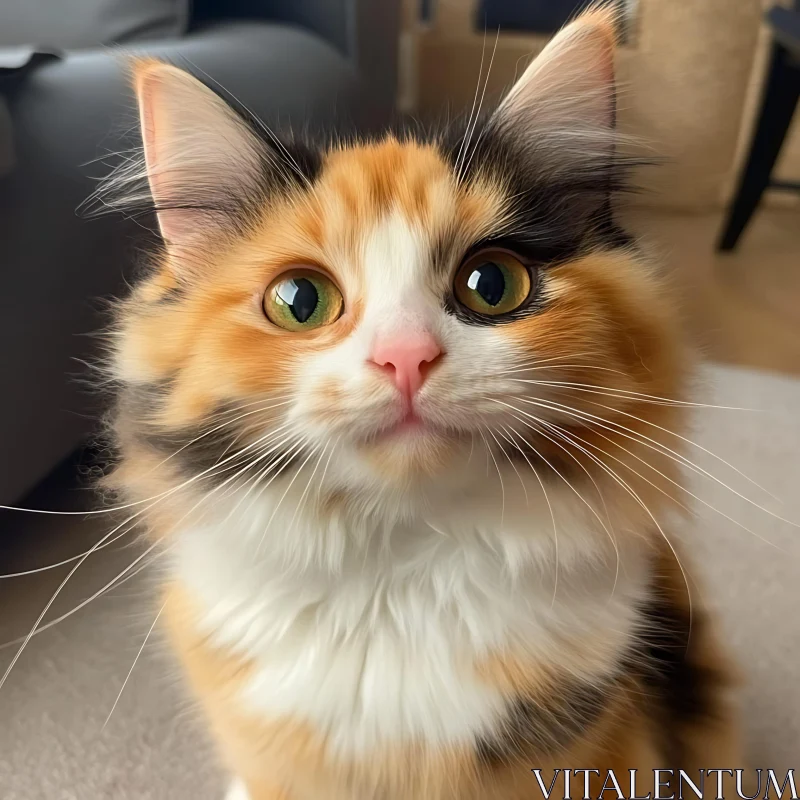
{"x": 135, "y": 662}
{"x": 655, "y": 445}
{"x": 510, "y": 461}
{"x": 550, "y": 509}
{"x": 461, "y": 149}
{"x": 574, "y": 490}
{"x": 658, "y": 526}
{"x": 286, "y": 491}
{"x": 465, "y": 166}
{"x": 626, "y": 394}
{"x": 500, "y": 476}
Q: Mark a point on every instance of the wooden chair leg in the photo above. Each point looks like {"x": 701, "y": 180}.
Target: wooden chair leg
{"x": 777, "y": 108}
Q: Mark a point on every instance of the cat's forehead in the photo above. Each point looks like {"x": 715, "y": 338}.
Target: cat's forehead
{"x": 392, "y": 201}
{"x": 371, "y": 179}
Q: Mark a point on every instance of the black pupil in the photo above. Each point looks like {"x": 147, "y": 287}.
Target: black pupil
{"x": 301, "y": 296}
{"x": 489, "y": 282}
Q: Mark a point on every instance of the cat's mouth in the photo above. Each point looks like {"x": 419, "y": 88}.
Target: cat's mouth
{"x": 412, "y": 426}
{"x": 406, "y": 424}
{"x": 411, "y": 423}
{"x": 396, "y": 424}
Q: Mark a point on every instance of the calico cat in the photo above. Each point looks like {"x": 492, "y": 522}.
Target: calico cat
{"x": 401, "y": 413}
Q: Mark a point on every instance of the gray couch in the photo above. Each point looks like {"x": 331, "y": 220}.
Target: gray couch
{"x": 302, "y": 62}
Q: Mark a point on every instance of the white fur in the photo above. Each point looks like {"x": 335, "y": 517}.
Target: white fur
{"x": 379, "y": 650}
{"x": 238, "y": 791}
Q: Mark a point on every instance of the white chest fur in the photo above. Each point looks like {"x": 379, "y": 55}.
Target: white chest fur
{"x": 381, "y": 649}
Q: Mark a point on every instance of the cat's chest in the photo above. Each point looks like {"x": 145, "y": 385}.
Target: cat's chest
{"x": 380, "y": 654}
{"x": 382, "y": 685}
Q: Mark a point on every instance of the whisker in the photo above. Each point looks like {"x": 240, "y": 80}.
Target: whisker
{"x": 301, "y": 501}
{"x": 563, "y": 366}
{"x": 573, "y": 439}
{"x": 273, "y": 469}
{"x": 539, "y": 455}
{"x": 133, "y": 666}
{"x": 570, "y": 356}
{"x": 707, "y": 452}
{"x": 658, "y": 526}
{"x": 115, "y": 583}
{"x": 103, "y": 541}
{"x": 283, "y": 496}
{"x": 220, "y": 427}
{"x": 510, "y": 461}
{"x": 667, "y": 478}
{"x": 52, "y": 600}
{"x": 133, "y": 503}
{"x": 499, "y": 475}
{"x": 558, "y": 473}
{"x": 66, "y": 561}
{"x": 552, "y": 515}
{"x": 327, "y": 464}
{"x": 625, "y": 394}
{"x": 462, "y": 148}
{"x": 653, "y": 444}
{"x": 466, "y": 166}
{"x": 608, "y": 533}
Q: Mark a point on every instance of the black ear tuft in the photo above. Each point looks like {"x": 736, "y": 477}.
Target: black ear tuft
{"x": 553, "y": 144}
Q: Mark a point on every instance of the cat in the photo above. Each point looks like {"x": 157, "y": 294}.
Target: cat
{"x": 400, "y": 412}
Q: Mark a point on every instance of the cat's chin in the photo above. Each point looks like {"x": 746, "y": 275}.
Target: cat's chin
{"x": 411, "y": 446}
{"x": 409, "y": 426}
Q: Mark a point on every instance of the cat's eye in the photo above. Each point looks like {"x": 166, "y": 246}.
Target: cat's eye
{"x": 301, "y": 299}
{"x": 492, "y": 282}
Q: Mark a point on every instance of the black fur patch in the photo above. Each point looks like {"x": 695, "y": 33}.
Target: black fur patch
{"x": 558, "y": 214}
{"x": 546, "y": 726}
{"x": 213, "y": 448}
{"x": 682, "y": 691}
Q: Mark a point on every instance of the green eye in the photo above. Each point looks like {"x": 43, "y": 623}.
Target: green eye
{"x": 302, "y": 299}
{"x": 492, "y": 282}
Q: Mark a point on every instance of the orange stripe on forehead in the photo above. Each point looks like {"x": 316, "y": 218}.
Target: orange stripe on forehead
{"x": 360, "y": 186}
{"x": 383, "y": 176}
{"x": 409, "y": 176}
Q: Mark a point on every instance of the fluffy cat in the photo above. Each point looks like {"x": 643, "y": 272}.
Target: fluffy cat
{"x": 399, "y": 412}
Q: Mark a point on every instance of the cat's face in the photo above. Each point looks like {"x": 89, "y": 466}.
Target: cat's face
{"x": 383, "y": 310}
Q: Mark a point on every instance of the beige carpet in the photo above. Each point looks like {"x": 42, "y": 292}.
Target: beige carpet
{"x": 53, "y": 743}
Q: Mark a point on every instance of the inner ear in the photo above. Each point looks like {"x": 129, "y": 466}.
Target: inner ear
{"x": 567, "y": 93}
{"x": 203, "y": 162}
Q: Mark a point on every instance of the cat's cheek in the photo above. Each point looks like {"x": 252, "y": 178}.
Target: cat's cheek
{"x": 336, "y": 394}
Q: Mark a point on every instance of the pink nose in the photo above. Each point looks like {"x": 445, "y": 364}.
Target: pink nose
{"x": 407, "y": 359}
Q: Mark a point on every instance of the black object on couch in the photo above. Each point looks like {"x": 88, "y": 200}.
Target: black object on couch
{"x": 301, "y": 62}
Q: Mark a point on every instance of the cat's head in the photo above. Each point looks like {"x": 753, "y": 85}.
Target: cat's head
{"x": 378, "y": 312}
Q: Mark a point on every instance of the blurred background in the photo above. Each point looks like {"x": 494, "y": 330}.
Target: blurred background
{"x": 709, "y": 85}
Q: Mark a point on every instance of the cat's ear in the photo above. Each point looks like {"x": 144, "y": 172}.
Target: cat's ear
{"x": 567, "y": 92}
{"x": 203, "y": 162}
